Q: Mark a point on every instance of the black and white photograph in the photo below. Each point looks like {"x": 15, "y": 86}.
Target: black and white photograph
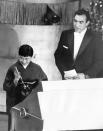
{"x": 51, "y": 65}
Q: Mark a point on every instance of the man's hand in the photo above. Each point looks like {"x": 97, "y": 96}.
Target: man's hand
{"x": 81, "y": 76}
{"x": 78, "y": 76}
{"x": 71, "y": 74}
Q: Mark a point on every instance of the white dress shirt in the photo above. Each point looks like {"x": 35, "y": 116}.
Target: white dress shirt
{"x": 78, "y": 37}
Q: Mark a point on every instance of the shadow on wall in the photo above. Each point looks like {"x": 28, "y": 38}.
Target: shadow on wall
{"x": 9, "y": 44}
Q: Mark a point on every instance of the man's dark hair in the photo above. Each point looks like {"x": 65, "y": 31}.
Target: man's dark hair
{"x": 25, "y": 50}
{"x": 83, "y": 12}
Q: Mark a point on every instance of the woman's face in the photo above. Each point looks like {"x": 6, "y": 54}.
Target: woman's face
{"x": 25, "y": 60}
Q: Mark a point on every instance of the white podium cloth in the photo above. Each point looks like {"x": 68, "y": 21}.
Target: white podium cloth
{"x": 72, "y": 104}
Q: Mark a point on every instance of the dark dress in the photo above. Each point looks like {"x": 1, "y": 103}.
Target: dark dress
{"x": 32, "y": 74}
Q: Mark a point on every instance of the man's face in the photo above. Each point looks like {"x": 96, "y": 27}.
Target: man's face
{"x": 24, "y": 60}
{"x": 80, "y": 23}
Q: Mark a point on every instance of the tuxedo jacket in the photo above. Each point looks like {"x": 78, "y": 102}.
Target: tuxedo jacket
{"x": 89, "y": 59}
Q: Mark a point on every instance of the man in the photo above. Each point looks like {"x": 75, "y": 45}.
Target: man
{"x": 80, "y": 49}
{"x": 22, "y": 77}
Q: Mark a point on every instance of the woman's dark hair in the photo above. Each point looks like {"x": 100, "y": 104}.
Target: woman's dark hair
{"x": 25, "y": 50}
{"x": 83, "y": 12}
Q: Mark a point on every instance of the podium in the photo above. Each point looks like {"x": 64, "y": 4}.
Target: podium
{"x": 31, "y": 119}
{"x": 67, "y": 105}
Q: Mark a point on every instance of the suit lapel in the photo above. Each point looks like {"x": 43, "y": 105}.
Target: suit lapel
{"x": 71, "y": 42}
{"x": 84, "y": 43}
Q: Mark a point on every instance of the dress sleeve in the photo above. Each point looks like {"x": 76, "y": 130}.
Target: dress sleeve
{"x": 8, "y": 84}
{"x": 42, "y": 75}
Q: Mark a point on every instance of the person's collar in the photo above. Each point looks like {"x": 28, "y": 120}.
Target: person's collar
{"x": 25, "y": 66}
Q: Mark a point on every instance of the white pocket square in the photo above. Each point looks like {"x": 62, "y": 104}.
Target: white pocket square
{"x": 65, "y": 47}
